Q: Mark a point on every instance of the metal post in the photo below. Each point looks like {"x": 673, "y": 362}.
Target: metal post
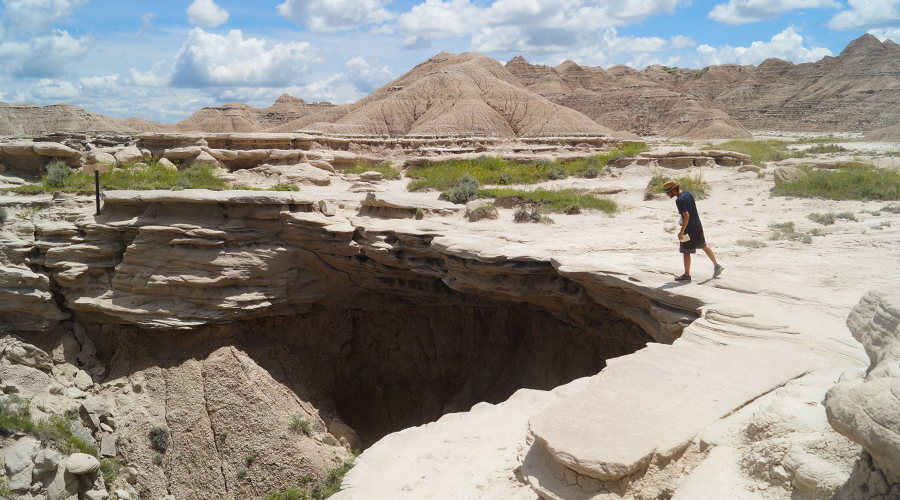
{"x": 97, "y": 188}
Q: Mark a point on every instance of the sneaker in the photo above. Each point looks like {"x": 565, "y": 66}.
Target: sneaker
{"x": 683, "y": 277}
{"x": 718, "y": 270}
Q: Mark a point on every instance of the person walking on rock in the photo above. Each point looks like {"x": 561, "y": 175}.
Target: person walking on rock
{"x": 691, "y": 234}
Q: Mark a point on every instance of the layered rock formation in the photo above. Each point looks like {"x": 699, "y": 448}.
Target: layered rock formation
{"x": 239, "y": 117}
{"x": 865, "y": 409}
{"x": 31, "y": 119}
{"x": 856, "y": 91}
{"x": 467, "y": 95}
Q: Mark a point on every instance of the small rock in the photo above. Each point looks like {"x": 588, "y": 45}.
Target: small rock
{"x": 327, "y": 208}
{"x": 371, "y": 176}
{"x": 122, "y": 494}
{"x": 96, "y": 494}
{"x": 168, "y": 164}
{"x": 330, "y": 440}
{"x": 788, "y": 174}
{"x": 748, "y": 168}
{"x": 80, "y": 431}
{"x": 779, "y": 472}
{"x": 108, "y": 446}
{"x": 56, "y": 388}
{"x": 95, "y": 409}
{"x": 83, "y": 381}
{"x": 131, "y": 475}
{"x": 82, "y": 463}
{"x": 73, "y": 393}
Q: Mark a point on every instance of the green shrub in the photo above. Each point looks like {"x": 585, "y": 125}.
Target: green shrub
{"x": 692, "y": 183}
{"x": 493, "y": 170}
{"x": 111, "y": 470}
{"x": 826, "y": 148}
{"x": 894, "y": 209}
{"x": 590, "y": 172}
{"x": 285, "y": 187}
{"x": 250, "y": 459}
{"x": 845, "y": 184}
{"x": 466, "y": 190}
{"x": 557, "y": 173}
{"x": 57, "y": 174}
{"x": 847, "y": 216}
{"x": 751, "y": 243}
{"x": 760, "y": 151}
{"x": 824, "y": 219}
{"x": 129, "y": 176}
{"x": 241, "y": 473}
{"x": 300, "y": 425}
{"x": 557, "y": 200}
{"x": 3, "y": 215}
{"x": 159, "y": 438}
{"x": 573, "y": 209}
{"x": 157, "y": 459}
{"x": 787, "y": 227}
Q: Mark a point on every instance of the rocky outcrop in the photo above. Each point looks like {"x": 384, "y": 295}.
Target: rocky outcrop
{"x": 865, "y": 409}
{"x": 31, "y": 119}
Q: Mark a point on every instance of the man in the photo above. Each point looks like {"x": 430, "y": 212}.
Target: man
{"x": 690, "y": 227}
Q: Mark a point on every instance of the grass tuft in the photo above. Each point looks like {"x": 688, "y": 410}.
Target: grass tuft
{"x": 693, "y": 183}
{"x": 150, "y": 175}
{"x": 845, "y": 184}
{"x": 300, "y": 425}
{"x": 557, "y": 200}
{"x": 159, "y": 438}
{"x": 751, "y": 243}
{"x": 490, "y": 170}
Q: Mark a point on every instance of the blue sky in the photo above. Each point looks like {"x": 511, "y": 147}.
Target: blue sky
{"x": 163, "y": 60}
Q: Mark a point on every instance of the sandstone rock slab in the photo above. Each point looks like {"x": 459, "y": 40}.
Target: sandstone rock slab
{"x": 654, "y": 402}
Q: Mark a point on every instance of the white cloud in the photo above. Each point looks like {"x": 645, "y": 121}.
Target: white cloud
{"x": 206, "y": 14}
{"x": 101, "y": 86}
{"x": 54, "y": 90}
{"x": 524, "y": 25}
{"x": 35, "y": 17}
{"x": 737, "y": 12}
{"x": 787, "y": 45}
{"x": 368, "y": 74}
{"x": 42, "y": 56}
{"x": 329, "y": 16}
{"x": 867, "y": 14}
{"x": 892, "y": 34}
{"x": 207, "y": 59}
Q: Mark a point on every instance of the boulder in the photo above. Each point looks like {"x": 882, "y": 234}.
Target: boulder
{"x": 168, "y": 164}
{"x": 865, "y": 408}
{"x": 46, "y": 460}
{"x": 95, "y": 409}
{"x": 16, "y": 350}
{"x": 100, "y": 157}
{"x": 748, "y": 168}
{"x": 371, "y": 176}
{"x": 18, "y": 464}
{"x": 204, "y": 157}
{"x": 344, "y": 432}
{"x": 61, "y": 484}
{"x": 480, "y": 209}
{"x": 56, "y": 150}
{"x": 82, "y": 463}
{"x": 129, "y": 154}
{"x": 788, "y": 174}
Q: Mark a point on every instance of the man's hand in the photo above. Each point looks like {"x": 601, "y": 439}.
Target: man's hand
{"x": 680, "y": 235}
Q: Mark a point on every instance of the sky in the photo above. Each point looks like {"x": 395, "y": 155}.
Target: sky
{"x": 163, "y": 60}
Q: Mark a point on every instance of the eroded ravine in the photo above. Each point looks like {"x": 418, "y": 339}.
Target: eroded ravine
{"x": 232, "y": 308}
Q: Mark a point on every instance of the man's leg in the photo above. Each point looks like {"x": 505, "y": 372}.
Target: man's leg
{"x": 687, "y": 264}
{"x": 711, "y": 255}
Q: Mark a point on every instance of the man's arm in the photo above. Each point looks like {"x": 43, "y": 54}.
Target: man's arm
{"x": 685, "y": 217}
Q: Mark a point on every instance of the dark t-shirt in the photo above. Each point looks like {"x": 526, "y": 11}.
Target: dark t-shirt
{"x": 685, "y": 203}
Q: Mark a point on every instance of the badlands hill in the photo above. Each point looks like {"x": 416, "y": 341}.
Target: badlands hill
{"x": 856, "y": 91}
{"x": 239, "y": 117}
{"x": 456, "y": 95}
{"x": 474, "y": 95}
{"x": 31, "y": 119}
